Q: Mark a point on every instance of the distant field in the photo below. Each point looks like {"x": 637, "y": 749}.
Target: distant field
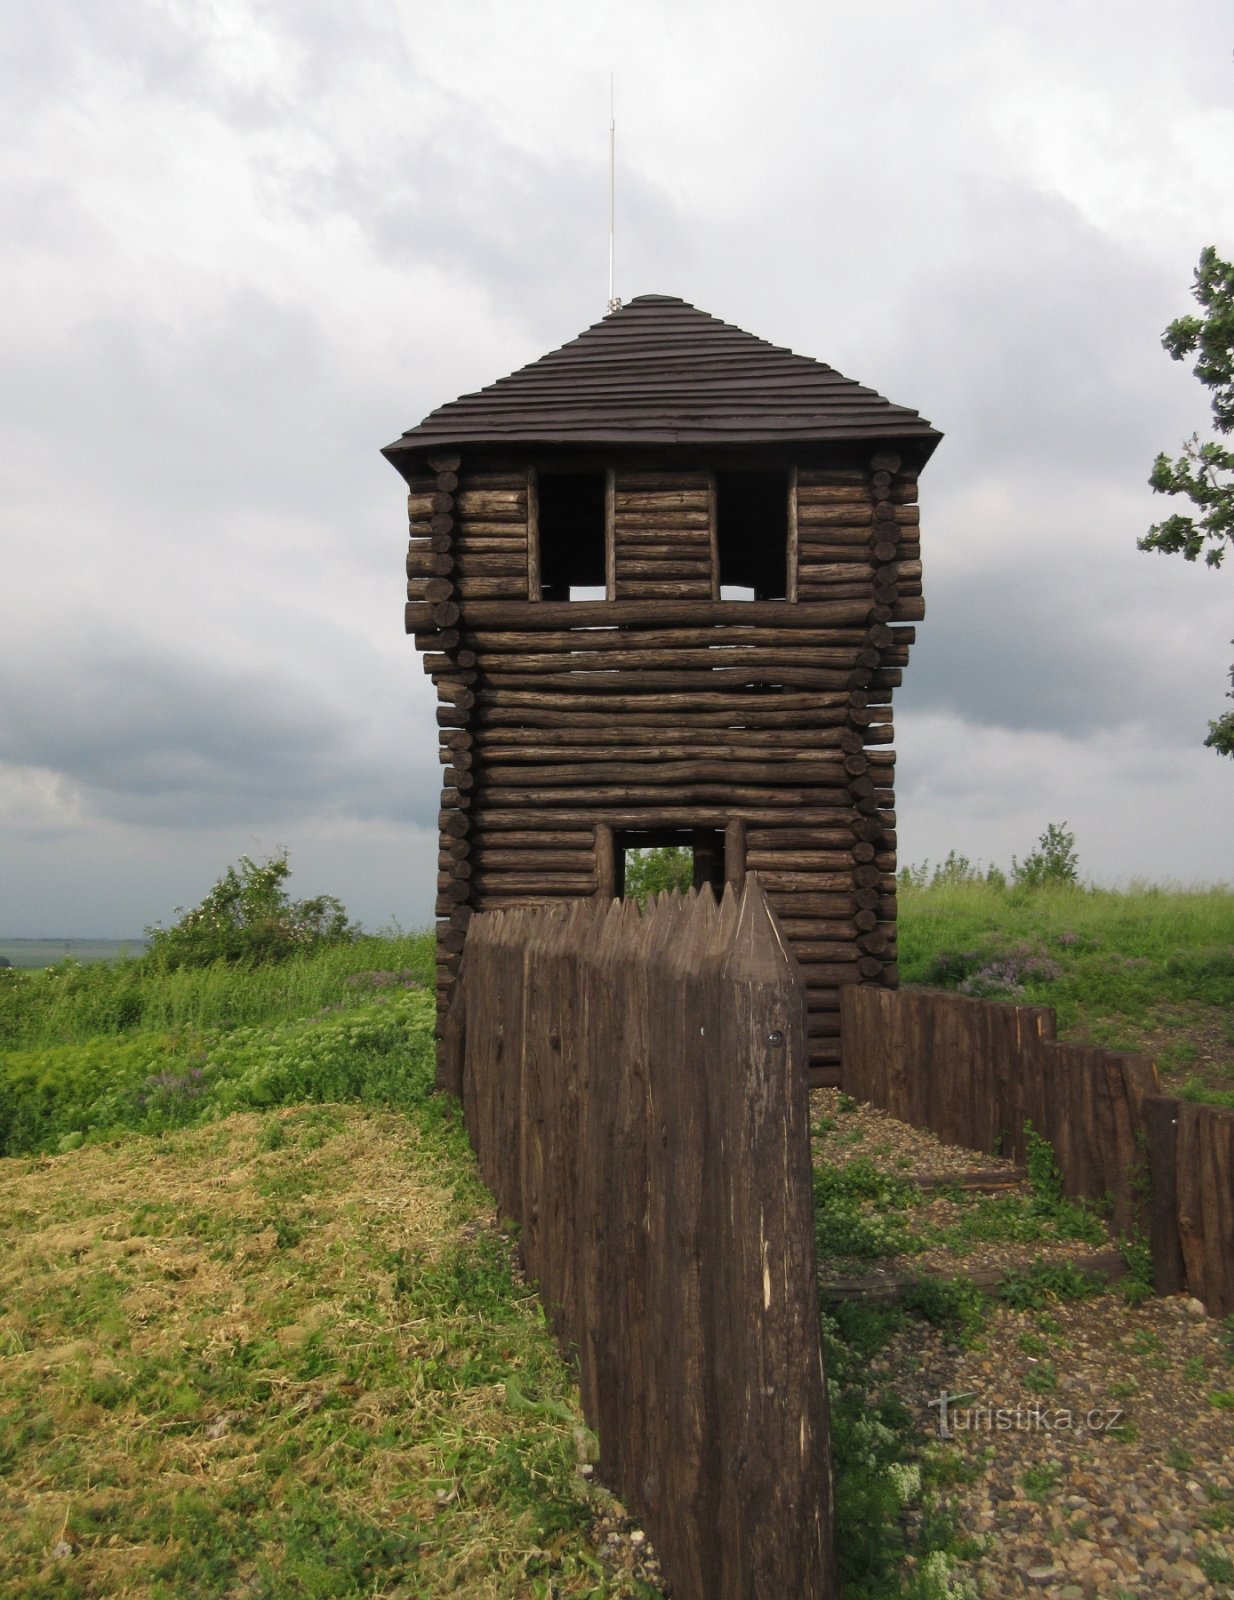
{"x": 42, "y": 952}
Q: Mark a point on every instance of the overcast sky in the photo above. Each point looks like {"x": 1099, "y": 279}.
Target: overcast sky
{"x": 248, "y": 242}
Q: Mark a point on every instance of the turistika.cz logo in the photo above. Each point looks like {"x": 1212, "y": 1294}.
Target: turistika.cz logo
{"x": 956, "y": 1415}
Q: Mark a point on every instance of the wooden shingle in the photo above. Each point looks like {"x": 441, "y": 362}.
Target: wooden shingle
{"x": 659, "y": 371}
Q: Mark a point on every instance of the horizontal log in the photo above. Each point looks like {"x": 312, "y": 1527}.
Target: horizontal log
{"x": 790, "y": 837}
{"x": 470, "y": 542}
{"x": 428, "y": 564}
{"x": 510, "y": 532}
{"x": 828, "y": 976}
{"x": 818, "y": 552}
{"x": 489, "y": 861}
{"x": 536, "y": 839}
{"x": 653, "y": 795}
{"x": 833, "y": 572}
{"x": 658, "y": 814}
{"x": 792, "y": 909}
{"x": 440, "y": 666}
{"x": 566, "y": 741}
{"x": 818, "y": 952}
{"x": 801, "y": 862}
{"x": 793, "y": 763}
{"x": 662, "y": 613}
{"x": 831, "y": 494}
{"x": 685, "y": 680}
{"x": 452, "y": 866}
{"x": 641, "y": 544}
{"x": 791, "y": 883}
{"x": 614, "y": 766}
{"x": 624, "y": 520}
{"x": 909, "y": 609}
{"x": 499, "y": 504}
{"x": 493, "y": 588}
{"x": 592, "y": 639}
{"x": 833, "y": 516}
{"x": 490, "y": 563}
{"x": 631, "y": 499}
{"x": 550, "y": 883}
{"x": 728, "y": 658}
{"x": 824, "y": 931}
{"x": 630, "y": 567}
{"x": 495, "y": 714}
{"x": 632, "y": 589}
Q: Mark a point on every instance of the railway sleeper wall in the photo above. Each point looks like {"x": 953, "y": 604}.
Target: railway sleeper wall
{"x": 566, "y": 724}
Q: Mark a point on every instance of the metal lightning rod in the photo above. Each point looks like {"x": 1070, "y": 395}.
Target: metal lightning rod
{"x": 614, "y": 304}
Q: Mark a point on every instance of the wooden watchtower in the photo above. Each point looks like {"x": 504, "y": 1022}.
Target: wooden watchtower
{"x": 659, "y": 578}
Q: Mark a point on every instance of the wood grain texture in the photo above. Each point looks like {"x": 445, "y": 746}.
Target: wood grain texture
{"x": 602, "y": 1051}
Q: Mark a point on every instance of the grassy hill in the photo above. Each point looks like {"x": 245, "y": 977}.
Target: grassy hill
{"x": 259, "y": 1336}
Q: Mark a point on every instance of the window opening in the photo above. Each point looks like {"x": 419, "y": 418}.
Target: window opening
{"x": 667, "y": 858}
{"x": 752, "y": 534}
{"x": 572, "y": 535}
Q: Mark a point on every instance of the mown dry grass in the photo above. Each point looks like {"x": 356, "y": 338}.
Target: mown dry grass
{"x": 275, "y": 1356}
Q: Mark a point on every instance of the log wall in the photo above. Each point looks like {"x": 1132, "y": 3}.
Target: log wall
{"x": 563, "y": 725}
{"x": 634, "y": 1085}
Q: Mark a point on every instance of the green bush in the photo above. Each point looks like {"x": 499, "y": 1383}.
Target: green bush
{"x": 1053, "y": 861}
{"x": 247, "y": 917}
{"x": 651, "y": 872}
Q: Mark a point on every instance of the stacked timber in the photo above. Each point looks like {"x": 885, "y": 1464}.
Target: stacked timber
{"x": 566, "y": 725}
{"x": 663, "y": 536}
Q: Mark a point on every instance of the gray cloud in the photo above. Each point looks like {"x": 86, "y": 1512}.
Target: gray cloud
{"x": 247, "y": 246}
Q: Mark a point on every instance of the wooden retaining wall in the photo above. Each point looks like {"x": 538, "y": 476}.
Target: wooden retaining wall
{"x": 975, "y": 1072}
{"x": 634, "y": 1085}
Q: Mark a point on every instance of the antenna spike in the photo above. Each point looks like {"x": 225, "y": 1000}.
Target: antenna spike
{"x": 614, "y": 304}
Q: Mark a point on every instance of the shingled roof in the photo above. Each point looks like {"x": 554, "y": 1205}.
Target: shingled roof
{"x": 659, "y": 371}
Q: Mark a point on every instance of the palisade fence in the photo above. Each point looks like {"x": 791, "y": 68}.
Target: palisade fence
{"x": 977, "y": 1072}
{"x": 634, "y": 1085}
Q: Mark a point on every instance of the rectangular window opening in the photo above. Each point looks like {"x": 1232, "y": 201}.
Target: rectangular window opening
{"x": 572, "y": 521}
{"x": 752, "y": 534}
{"x": 650, "y": 860}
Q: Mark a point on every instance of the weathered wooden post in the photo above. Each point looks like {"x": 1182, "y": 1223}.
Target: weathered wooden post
{"x": 661, "y": 579}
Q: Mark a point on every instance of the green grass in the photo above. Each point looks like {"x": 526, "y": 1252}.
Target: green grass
{"x": 1142, "y": 968}
{"x": 274, "y": 1348}
{"x": 73, "y": 1003}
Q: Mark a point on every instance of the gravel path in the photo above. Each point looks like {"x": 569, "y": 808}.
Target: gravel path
{"x": 1097, "y": 1437}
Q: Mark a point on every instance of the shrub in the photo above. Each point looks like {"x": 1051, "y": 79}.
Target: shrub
{"x": 248, "y": 917}
{"x": 1053, "y": 861}
{"x": 651, "y": 872}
